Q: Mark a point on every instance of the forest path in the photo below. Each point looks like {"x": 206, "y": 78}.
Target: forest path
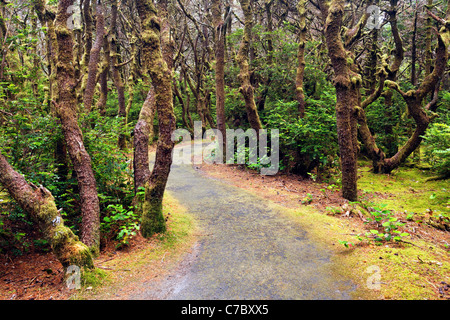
{"x": 248, "y": 250}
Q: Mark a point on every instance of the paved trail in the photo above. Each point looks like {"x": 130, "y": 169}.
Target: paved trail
{"x": 248, "y": 250}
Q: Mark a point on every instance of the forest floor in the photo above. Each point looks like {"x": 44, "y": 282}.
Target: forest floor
{"x": 418, "y": 268}
{"x": 37, "y": 275}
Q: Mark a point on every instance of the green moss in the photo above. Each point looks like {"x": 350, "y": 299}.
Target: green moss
{"x": 408, "y": 272}
{"x": 3, "y": 198}
{"x": 152, "y": 220}
{"x": 407, "y": 190}
{"x": 94, "y": 278}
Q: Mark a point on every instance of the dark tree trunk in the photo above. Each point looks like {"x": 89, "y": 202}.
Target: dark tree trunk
{"x": 67, "y": 112}
{"x": 94, "y": 59}
{"x": 301, "y": 59}
{"x": 347, "y": 84}
{"x": 117, "y": 78}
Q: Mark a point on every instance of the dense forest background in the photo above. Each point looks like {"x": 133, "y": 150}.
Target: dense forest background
{"x": 86, "y": 86}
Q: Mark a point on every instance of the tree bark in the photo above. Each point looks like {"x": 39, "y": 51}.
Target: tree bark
{"x": 414, "y": 101}
{"x": 117, "y": 78}
{"x": 94, "y": 59}
{"x": 67, "y": 112}
{"x": 414, "y": 50}
{"x": 103, "y": 78}
{"x": 152, "y": 220}
{"x": 40, "y": 205}
{"x": 347, "y": 84}
{"x": 246, "y": 88}
{"x": 143, "y": 134}
{"x": 301, "y": 7}
{"x": 220, "y": 32}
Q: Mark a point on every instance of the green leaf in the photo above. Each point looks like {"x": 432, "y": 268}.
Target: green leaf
{"x": 404, "y": 234}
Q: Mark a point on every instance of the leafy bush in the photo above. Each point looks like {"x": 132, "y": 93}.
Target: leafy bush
{"x": 310, "y": 142}
{"x": 389, "y": 224}
{"x": 120, "y": 224}
{"x": 437, "y": 141}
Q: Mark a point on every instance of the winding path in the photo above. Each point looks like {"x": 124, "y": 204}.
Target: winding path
{"x": 248, "y": 251}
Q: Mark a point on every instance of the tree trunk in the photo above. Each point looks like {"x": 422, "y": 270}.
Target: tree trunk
{"x": 117, "y": 78}
{"x": 67, "y": 112}
{"x": 94, "y": 59}
{"x": 143, "y": 134}
{"x": 347, "y": 85}
{"x": 301, "y": 59}
{"x": 220, "y": 67}
{"x": 414, "y": 50}
{"x": 152, "y": 220}
{"x": 246, "y": 88}
{"x": 429, "y": 35}
{"x": 40, "y": 205}
{"x": 46, "y": 18}
{"x": 105, "y": 66}
{"x": 391, "y": 141}
{"x": 414, "y": 100}
{"x": 87, "y": 50}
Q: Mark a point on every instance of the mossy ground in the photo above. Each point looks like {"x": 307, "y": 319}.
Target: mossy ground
{"x": 120, "y": 273}
{"x": 407, "y": 190}
{"x": 408, "y": 271}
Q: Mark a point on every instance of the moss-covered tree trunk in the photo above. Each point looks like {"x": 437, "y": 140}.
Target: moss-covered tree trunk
{"x": 347, "y": 84}
{"x": 391, "y": 141}
{"x": 40, "y": 205}
{"x": 152, "y": 220}
{"x": 267, "y": 80}
{"x": 414, "y": 99}
{"x": 220, "y": 33}
{"x": 301, "y": 7}
{"x": 46, "y": 18}
{"x": 86, "y": 50}
{"x": 94, "y": 59}
{"x": 67, "y": 113}
{"x": 132, "y": 78}
{"x": 143, "y": 134}
{"x": 103, "y": 77}
{"x": 117, "y": 78}
{"x": 247, "y": 90}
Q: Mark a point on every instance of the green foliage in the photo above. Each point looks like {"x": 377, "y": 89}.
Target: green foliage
{"x": 308, "y": 199}
{"x": 387, "y": 226}
{"x": 311, "y": 140}
{"x": 384, "y": 226}
{"x": 111, "y": 166}
{"x": 121, "y": 224}
{"x": 437, "y": 153}
{"x": 390, "y": 225}
{"x": 389, "y": 124}
{"x": 29, "y": 139}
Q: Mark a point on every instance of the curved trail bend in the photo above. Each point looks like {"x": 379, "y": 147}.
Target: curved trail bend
{"x": 248, "y": 251}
